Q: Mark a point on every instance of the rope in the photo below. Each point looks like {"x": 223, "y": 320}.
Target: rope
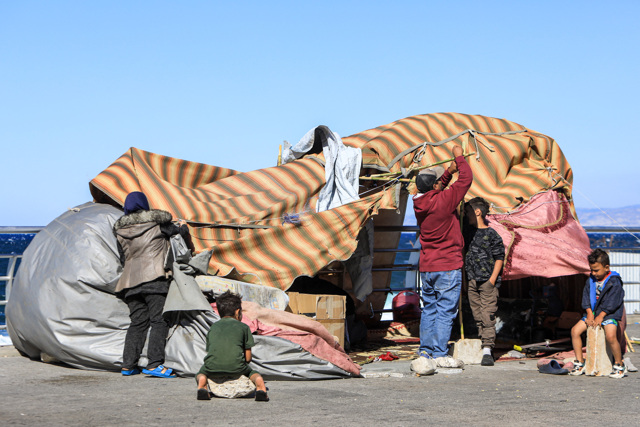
{"x": 295, "y": 217}
{"x": 285, "y": 218}
{"x": 387, "y": 183}
{"x": 523, "y": 213}
{"x": 598, "y": 207}
{"x": 417, "y": 158}
{"x": 473, "y": 133}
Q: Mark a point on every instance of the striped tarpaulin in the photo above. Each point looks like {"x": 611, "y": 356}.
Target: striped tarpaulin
{"x": 262, "y": 224}
{"x": 512, "y": 163}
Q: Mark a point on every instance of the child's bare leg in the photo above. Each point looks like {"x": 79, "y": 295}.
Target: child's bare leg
{"x": 611, "y": 335}
{"x": 576, "y": 339}
{"x": 258, "y": 381}
{"x": 202, "y": 380}
{"x": 203, "y": 390}
{"x": 261, "y": 388}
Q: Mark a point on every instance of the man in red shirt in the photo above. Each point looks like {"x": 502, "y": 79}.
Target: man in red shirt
{"x": 441, "y": 254}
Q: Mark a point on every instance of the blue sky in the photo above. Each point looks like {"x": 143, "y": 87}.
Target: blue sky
{"x": 224, "y": 83}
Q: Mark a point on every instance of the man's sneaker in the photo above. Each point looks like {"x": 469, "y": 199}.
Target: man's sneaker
{"x": 619, "y": 371}
{"x": 423, "y": 366}
{"x": 578, "y": 368}
{"x": 449, "y": 362}
{"x": 487, "y": 360}
{"x": 423, "y": 353}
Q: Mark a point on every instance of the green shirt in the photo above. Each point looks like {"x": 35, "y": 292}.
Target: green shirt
{"x": 226, "y": 342}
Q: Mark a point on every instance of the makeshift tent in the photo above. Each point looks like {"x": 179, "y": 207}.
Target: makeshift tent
{"x": 521, "y": 173}
{"x": 263, "y": 227}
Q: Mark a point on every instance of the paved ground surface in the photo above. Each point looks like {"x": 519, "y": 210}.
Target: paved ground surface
{"x": 35, "y": 393}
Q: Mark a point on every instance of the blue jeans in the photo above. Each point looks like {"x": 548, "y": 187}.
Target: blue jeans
{"x": 440, "y": 294}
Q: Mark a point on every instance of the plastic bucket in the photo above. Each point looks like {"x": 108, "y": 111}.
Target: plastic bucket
{"x": 406, "y": 306}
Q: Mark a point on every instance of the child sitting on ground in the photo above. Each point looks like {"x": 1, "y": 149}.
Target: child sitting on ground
{"x": 483, "y": 263}
{"x": 229, "y": 343}
{"x": 603, "y": 300}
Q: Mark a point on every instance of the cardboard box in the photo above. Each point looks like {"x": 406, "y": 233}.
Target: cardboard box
{"x": 329, "y": 310}
{"x": 568, "y": 319}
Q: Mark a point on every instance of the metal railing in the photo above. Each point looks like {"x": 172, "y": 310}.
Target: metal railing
{"x": 408, "y": 267}
{"x": 13, "y": 261}
{"x": 8, "y": 279}
{"x": 624, "y": 259}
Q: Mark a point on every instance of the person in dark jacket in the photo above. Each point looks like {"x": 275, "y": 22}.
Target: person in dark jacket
{"x": 143, "y": 241}
{"x": 603, "y": 300}
{"x": 483, "y": 262}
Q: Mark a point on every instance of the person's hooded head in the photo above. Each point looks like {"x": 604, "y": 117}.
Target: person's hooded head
{"x": 427, "y": 178}
{"x": 135, "y": 201}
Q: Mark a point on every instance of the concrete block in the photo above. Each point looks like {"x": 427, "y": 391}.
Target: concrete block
{"x": 231, "y": 387}
{"x": 469, "y": 351}
{"x": 598, "y": 360}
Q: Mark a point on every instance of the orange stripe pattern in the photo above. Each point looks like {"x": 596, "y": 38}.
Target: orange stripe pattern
{"x": 510, "y": 166}
{"x": 261, "y": 225}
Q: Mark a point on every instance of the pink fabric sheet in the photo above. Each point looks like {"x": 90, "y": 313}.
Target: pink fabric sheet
{"x": 542, "y": 238}
{"x": 304, "y": 331}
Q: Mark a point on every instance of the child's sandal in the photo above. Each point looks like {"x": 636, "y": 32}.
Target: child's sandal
{"x": 203, "y": 394}
{"x": 261, "y": 396}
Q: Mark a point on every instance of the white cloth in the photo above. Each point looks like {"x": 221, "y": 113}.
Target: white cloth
{"x": 342, "y": 166}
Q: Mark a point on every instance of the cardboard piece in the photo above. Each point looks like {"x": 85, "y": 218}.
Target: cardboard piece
{"x": 329, "y": 310}
{"x": 568, "y": 319}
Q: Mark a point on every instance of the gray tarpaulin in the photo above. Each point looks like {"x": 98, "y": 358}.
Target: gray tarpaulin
{"x": 267, "y": 297}
{"x": 62, "y": 306}
{"x": 360, "y": 264}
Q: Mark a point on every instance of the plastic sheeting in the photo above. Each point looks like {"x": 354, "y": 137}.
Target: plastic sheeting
{"x": 63, "y": 307}
{"x": 342, "y": 166}
{"x": 360, "y": 265}
{"x": 542, "y": 238}
{"x": 265, "y": 296}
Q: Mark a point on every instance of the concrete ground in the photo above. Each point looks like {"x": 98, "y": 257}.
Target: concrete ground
{"x": 35, "y": 393}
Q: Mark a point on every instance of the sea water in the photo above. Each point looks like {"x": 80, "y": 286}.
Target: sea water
{"x": 10, "y": 244}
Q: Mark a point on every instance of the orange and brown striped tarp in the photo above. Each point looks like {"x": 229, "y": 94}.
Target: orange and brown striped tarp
{"x": 511, "y": 164}
{"x": 262, "y": 226}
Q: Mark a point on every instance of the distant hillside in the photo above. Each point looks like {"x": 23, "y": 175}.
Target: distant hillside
{"x": 628, "y": 216}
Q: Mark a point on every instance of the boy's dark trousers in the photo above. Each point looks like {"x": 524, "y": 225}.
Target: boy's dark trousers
{"x": 483, "y": 299}
{"x": 145, "y": 310}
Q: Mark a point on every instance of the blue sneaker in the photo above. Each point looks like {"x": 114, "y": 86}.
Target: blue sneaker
{"x": 423, "y": 353}
{"x": 160, "y": 372}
